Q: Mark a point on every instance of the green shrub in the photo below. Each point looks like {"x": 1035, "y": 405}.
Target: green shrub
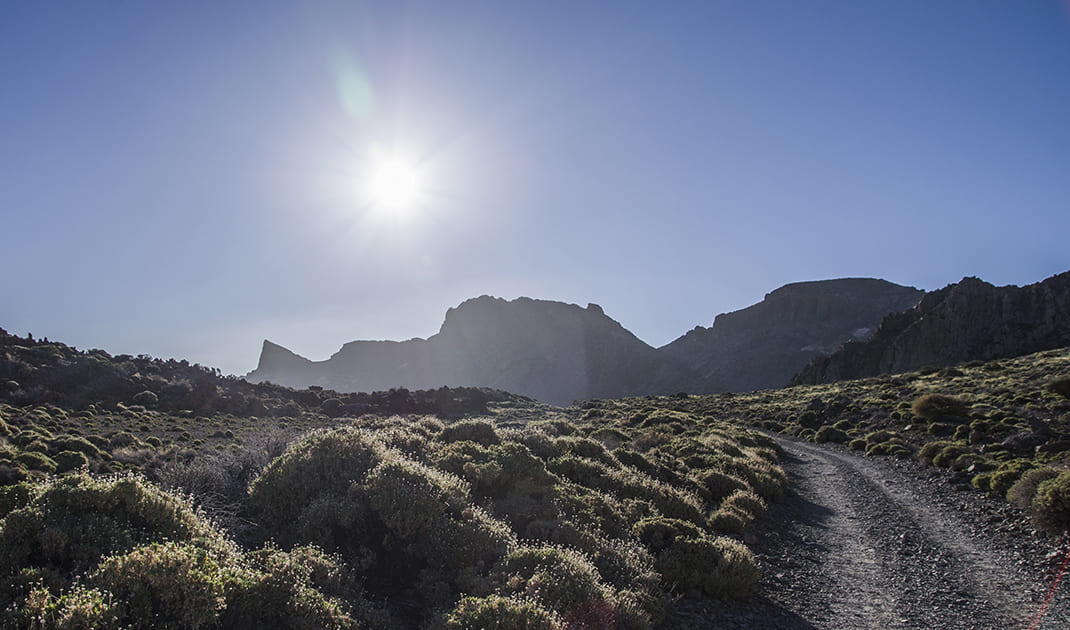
{"x": 808, "y": 419}
{"x": 478, "y": 431}
{"x": 657, "y": 534}
{"x": 36, "y": 461}
{"x": 123, "y": 439}
{"x": 302, "y": 588}
{"x": 1023, "y": 490}
{"x": 726, "y": 521}
{"x": 829, "y": 433}
{"x": 982, "y": 481}
{"x": 947, "y": 456}
{"x": 719, "y": 568}
{"x": 427, "y": 510}
{"x": 857, "y": 445}
{"x": 79, "y": 608}
{"x": 745, "y": 501}
{"x": 1003, "y": 480}
{"x": 719, "y": 484}
{"x": 495, "y": 612}
{"x": 169, "y": 583}
{"x": 64, "y": 527}
{"x": 587, "y": 448}
{"x": 318, "y": 468}
{"x": 1051, "y": 504}
{"x": 560, "y": 579}
{"x": 73, "y": 443}
{"x": 931, "y": 450}
{"x": 765, "y": 478}
{"x": 67, "y": 461}
{"x": 939, "y": 407}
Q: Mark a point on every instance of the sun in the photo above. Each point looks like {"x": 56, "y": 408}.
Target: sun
{"x": 394, "y": 183}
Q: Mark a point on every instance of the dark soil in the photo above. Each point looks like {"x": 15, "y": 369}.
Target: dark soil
{"x": 863, "y": 542}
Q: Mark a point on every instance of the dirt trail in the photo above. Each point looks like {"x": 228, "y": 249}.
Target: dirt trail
{"x": 870, "y": 543}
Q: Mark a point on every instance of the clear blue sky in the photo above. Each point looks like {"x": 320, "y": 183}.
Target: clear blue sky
{"x": 186, "y": 179}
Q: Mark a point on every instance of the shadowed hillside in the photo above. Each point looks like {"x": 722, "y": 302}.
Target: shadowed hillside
{"x": 763, "y": 345}
{"x": 966, "y": 321}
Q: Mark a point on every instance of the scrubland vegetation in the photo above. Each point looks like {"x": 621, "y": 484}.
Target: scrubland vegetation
{"x": 1001, "y": 427}
{"x": 131, "y": 506}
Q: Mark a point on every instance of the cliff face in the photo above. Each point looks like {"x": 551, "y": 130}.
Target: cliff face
{"x": 970, "y": 320}
{"x": 762, "y": 346}
{"x": 551, "y": 351}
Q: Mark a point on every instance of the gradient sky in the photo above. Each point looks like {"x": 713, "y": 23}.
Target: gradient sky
{"x": 186, "y": 179}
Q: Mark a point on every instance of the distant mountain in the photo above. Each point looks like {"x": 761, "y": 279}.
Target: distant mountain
{"x": 764, "y": 345}
{"x": 551, "y": 351}
{"x": 558, "y": 353}
{"x": 970, "y": 320}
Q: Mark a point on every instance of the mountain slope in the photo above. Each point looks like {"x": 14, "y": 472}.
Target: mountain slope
{"x": 969, "y": 320}
{"x": 763, "y": 345}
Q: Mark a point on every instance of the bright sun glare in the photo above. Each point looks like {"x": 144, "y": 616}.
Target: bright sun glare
{"x": 395, "y": 184}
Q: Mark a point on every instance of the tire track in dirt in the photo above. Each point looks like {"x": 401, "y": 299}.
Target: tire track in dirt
{"x": 889, "y": 557}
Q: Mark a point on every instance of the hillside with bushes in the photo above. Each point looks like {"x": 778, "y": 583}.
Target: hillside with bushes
{"x": 487, "y": 510}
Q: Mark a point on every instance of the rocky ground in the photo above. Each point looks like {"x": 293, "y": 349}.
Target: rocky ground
{"x": 882, "y": 543}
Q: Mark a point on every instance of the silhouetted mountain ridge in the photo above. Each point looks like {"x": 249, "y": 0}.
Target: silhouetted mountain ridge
{"x": 557, "y": 352}
{"x": 552, "y": 351}
{"x": 762, "y": 346}
{"x": 966, "y": 321}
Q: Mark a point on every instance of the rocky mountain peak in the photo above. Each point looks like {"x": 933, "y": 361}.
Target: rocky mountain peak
{"x": 968, "y": 320}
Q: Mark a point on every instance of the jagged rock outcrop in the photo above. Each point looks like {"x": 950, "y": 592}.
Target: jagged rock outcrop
{"x": 970, "y": 320}
{"x": 551, "y": 351}
{"x": 764, "y": 345}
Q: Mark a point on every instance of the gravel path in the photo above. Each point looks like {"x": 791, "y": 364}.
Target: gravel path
{"x": 880, "y": 543}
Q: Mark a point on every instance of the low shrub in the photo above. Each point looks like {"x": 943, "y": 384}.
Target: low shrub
{"x": 73, "y": 443}
{"x": 658, "y": 534}
{"x": 495, "y": 612}
{"x": 745, "y": 501}
{"x": 939, "y": 407}
{"x": 726, "y": 521}
{"x": 1025, "y": 488}
{"x": 829, "y": 433}
{"x": 559, "y": 579}
{"x": 808, "y": 419}
{"x": 318, "y": 468}
{"x": 67, "y": 461}
{"x": 719, "y": 484}
{"x": 719, "y": 567}
{"x": 66, "y": 526}
{"x": 931, "y": 450}
{"x": 950, "y": 453}
{"x": 478, "y": 431}
{"x": 173, "y": 584}
{"x": 1051, "y": 503}
{"x": 33, "y": 460}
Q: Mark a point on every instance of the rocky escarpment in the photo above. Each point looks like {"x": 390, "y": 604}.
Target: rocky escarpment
{"x": 970, "y": 320}
{"x": 762, "y": 346}
{"x": 551, "y": 351}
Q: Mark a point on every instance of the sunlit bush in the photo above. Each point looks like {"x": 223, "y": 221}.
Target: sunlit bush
{"x": 495, "y": 612}
{"x": 719, "y": 567}
{"x": 1051, "y": 503}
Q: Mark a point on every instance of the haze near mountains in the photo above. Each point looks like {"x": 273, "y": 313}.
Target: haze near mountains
{"x": 558, "y": 352}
